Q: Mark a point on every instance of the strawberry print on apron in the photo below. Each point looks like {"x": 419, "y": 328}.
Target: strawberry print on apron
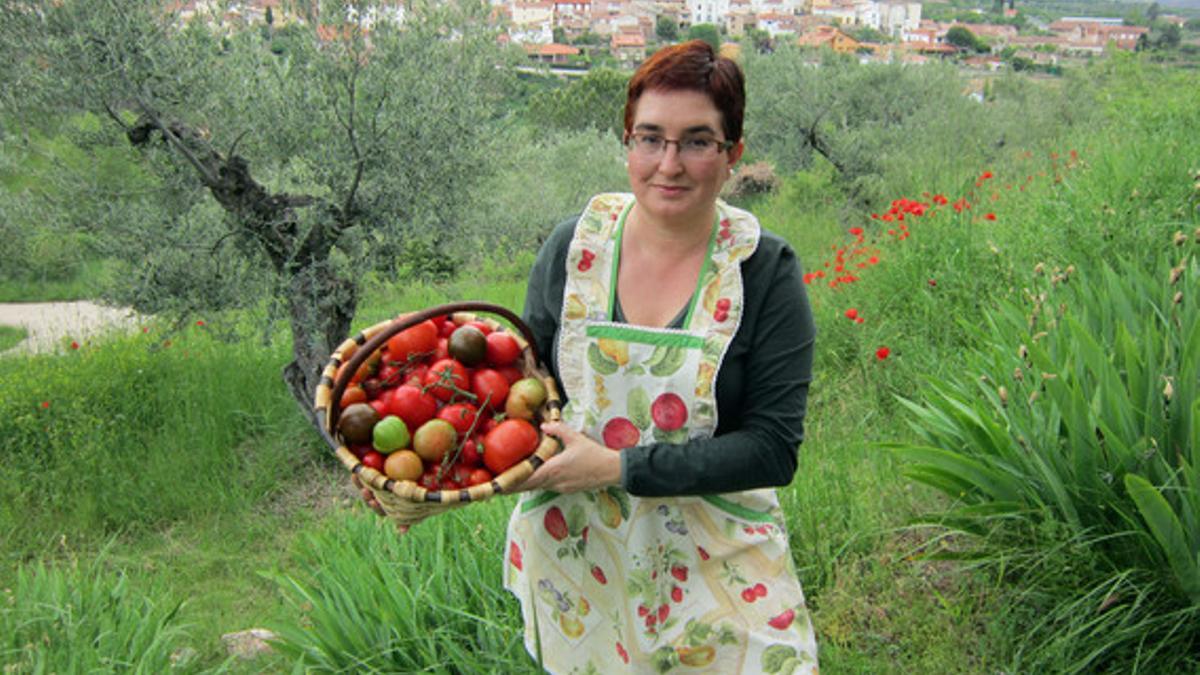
{"x": 611, "y": 582}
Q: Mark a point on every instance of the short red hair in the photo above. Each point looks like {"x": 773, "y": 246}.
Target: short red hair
{"x": 693, "y": 66}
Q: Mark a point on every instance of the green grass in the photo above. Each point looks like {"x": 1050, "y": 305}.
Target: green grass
{"x": 11, "y": 336}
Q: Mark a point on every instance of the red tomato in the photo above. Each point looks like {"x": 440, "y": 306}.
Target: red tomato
{"x": 469, "y": 456}
{"x": 460, "y": 474}
{"x": 483, "y": 327}
{"x": 490, "y": 386}
{"x": 416, "y": 375}
{"x": 485, "y": 425}
{"x": 448, "y": 327}
{"x": 389, "y": 374}
{"x": 413, "y": 342}
{"x": 443, "y": 349}
{"x": 502, "y": 348}
{"x": 444, "y": 373}
{"x": 461, "y": 415}
{"x": 429, "y": 479}
{"x": 373, "y": 459}
{"x": 380, "y": 407}
{"x": 479, "y": 477}
{"x": 510, "y": 442}
{"x": 510, "y": 373}
{"x": 411, "y": 404}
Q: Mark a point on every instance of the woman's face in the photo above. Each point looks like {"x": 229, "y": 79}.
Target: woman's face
{"x": 673, "y": 186}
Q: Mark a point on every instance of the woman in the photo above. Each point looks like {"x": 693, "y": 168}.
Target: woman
{"x": 682, "y": 337}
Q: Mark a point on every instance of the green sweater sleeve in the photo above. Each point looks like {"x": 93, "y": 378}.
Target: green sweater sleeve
{"x": 762, "y": 387}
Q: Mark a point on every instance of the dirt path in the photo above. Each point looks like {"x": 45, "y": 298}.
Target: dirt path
{"x": 51, "y": 325}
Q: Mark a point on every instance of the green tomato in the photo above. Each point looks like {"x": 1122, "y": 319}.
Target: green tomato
{"x": 390, "y": 434}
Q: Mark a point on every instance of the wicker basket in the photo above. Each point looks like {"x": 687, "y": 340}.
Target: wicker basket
{"x": 406, "y": 502}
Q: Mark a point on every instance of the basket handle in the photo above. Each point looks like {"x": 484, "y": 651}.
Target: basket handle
{"x": 370, "y": 346}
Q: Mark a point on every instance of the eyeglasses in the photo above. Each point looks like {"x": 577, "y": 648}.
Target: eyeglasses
{"x": 654, "y": 146}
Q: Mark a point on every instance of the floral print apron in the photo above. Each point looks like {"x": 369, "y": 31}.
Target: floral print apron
{"x": 610, "y": 582}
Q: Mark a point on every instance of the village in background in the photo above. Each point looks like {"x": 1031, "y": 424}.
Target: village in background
{"x": 571, "y": 36}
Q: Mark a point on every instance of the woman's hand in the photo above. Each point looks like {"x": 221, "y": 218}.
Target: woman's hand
{"x": 369, "y": 498}
{"x": 583, "y": 464}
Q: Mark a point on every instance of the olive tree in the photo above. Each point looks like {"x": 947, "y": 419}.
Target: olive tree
{"x": 293, "y": 158}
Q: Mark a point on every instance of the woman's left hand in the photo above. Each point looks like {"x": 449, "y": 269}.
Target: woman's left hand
{"x": 582, "y": 464}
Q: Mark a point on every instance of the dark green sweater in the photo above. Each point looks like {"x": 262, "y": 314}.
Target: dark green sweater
{"x": 762, "y": 387}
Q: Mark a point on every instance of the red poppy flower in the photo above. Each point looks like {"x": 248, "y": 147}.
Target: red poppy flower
{"x": 882, "y": 353}
{"x": 933, "y": 282}
{"x": 856, "y": 231}
{"x": 989, "y": 216}
{"x": 200, "y": 322}
{"x": 45, "y": 404}
{"x": 74, "y": 344}
{"x": 859, "y": 320}
{"x": 985, "y": 175}
{"x": 852, "y": 313}
{"x": 940, "y": 200}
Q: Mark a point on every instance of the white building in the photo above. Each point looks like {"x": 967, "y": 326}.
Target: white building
{"x": 708, "y": 11}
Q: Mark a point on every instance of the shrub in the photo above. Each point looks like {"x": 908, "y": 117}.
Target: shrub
{"x": 752, "y": 179}
{"x": 1080, "y": 415}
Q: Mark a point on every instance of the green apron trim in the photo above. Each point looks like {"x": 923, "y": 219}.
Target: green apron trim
{"x": 532, "y": 503}
{"x": 644, "y": 336}
{"x": 616, "y": 264}
{"x": 712, "y": 239}
{"x": 616, "y": 260}
{"x": 738, "y": 510}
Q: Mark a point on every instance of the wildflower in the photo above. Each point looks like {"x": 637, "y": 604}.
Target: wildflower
{"x": 74, "y": 344}
{"x": 989, "y": 216}
{"x": 859, "y": 320}
{"x": 940, "y": 200}
{"x": 852, "y": 313}
{"x": 882, "y": 353}
{"x": 961, "y": 204}
{"x": 873, "y": 260}
{"x": 986, "y": 175}
{"x": 200, "y": 322}
{"x": 856, "y": 231}
{"x": 45, "y": 404}
{"x": 933, "y": 283}
{"x": 145, "y": 329}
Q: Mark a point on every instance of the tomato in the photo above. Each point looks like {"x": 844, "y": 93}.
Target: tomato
{"x": 479, "y": 477}
{"x": 502, "y": 348}
{"x": 410, "y": 404}
{"x": 461, "y": 415}
{"x": 413, "y": 342}
{"x": 510, "y": 442}
{"x": 361, "y": 449}
{"x": 389, "y": 373}
{"x": 443, "y": 349}
{"x": 429, "y": 479}
{"x": 448, "y": 327}
{"x": 380, "y": 407}
{"x": 445, "y": 374}
{"x": 491, "y": 387}
{"x": 469, "y": 455}
{"x": 416, "y": 375}
{"x": 460, "y": 474}
{"x": 510, "y": 373}
{"x": 485, "y": 425}
{"x": 373, "y": 387}
{"x": 373, "y": 459}
{"x": 483, "y": 327}
{"x": 352, "y": 395}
